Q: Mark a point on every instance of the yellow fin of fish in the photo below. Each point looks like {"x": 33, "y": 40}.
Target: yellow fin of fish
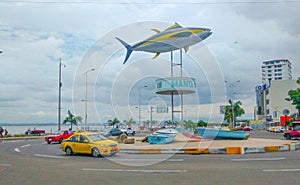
{"x": 156, "y": 30}
{"x": 156, "y": 55}
{"x": 176, "y": 25}
{"x": 186, "y": 48}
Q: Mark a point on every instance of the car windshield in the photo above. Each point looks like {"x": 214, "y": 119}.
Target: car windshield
{"x": 97, "y": 137}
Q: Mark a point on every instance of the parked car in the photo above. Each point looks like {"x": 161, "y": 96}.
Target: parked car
{"x": 128, "y": 131}
{"x": 274, "y": 129}
{"x": 112, "y": 132}
{"x": 58, "y": 136}
{"x": 89, "y": 143}
{"x": 289, "y": 134}
{"x": 247, "y": 128}
{"x": 35, "y": 132}
{"x": 238, "y": 128}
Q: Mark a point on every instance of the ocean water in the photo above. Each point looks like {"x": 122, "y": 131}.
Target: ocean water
{"x": 49, "y": 128}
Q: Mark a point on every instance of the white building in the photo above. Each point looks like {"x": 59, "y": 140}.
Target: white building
{"x": 276, "y": 70}
{"x": 275, "y": 98}
{"x": 271, "y": 94}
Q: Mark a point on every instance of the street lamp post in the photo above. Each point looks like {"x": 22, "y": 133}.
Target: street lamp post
{"x": 59, "y": 94}
{"x": 140, "y": 103}
{"x": 232, "y": 85}
{"x": 85, "y": 74}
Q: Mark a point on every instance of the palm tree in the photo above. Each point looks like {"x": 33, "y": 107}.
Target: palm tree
{"x": 71, "y": 118}
{"x": 113, "y": 122}
{"x": 233, "y": 111}
{"x": 131, "y": 121}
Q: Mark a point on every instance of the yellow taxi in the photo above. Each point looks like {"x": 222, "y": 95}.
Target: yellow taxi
{"x": 89, "y": 143}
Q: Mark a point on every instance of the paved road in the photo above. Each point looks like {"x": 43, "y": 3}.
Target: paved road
{"x": 266, "y": 135}
{"x": 34, "y": 162}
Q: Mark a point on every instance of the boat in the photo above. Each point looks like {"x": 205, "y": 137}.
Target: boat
{"x": 166, "y": 131}
{"x": 162, "y": 136}
{"x": 211, "y": 133}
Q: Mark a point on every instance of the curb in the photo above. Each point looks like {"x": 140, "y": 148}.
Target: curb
{"x": 226, "y": 150}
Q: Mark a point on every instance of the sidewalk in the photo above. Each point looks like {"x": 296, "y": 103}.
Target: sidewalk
{"x": 251, "y": 145}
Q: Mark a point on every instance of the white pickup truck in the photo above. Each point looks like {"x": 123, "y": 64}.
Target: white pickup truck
{"x": 128, "y": 131}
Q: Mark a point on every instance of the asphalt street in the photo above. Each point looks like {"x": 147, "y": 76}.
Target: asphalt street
{"x": 35, "y": 162}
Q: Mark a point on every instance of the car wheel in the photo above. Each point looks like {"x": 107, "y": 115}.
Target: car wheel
{"x": 95, "y": 152}
{"x": 126, "y": 133}
{"x": 133, "y": 133}
{"x": 69, "y": 150}
{"x": 49, "y": 142}
{"x": 287, "y": 136}
{"x": 60, "y": 140}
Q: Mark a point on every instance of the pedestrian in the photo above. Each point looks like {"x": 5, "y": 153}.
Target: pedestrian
{"x": 1, "y": 132}
{"x": 5, "y": 132}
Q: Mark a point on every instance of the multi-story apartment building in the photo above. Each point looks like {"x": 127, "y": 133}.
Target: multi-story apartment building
{"x": 276, "y": 70}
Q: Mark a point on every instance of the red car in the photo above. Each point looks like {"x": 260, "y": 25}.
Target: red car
{"x": 289, "y": 134}
{"x": 59, "y": 136}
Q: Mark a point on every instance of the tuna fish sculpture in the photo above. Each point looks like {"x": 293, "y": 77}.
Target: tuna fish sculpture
{"x": 173, "y": 38}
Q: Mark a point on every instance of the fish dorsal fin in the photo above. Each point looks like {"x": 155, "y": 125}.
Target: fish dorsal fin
{"x": 156, "y": 55}
{"x": 186, "y": 48}
{"x": 156, "y": 30}
{"x": 175, "y": 25}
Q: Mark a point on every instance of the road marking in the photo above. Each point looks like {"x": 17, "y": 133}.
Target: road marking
{"x": 141, "y": 171}
{"x": 51, "y": 156}
{"x": 17, "y": 150}
{"x": 282, "y": 170}
{"x": 136, "y": 160}
{"x": 258, "y": 159}
{"x": 11, "y": 141}
{"x": 23, "y": 146}
{"x": 3, "y": 164}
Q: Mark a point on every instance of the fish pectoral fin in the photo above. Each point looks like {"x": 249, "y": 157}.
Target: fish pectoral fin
{"x": 156, "y": 30}
{"x": 186, "y": 48}
{"x": 156, "y": 55}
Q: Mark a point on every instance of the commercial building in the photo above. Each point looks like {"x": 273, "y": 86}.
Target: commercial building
{"x": 271, "y": 94}
{"x": 275, "y": 98}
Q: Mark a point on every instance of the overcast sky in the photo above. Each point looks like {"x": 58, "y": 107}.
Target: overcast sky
{"x": 35, "y": 34}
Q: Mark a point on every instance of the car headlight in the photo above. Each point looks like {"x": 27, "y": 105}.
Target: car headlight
{"x": 103, "y": 145}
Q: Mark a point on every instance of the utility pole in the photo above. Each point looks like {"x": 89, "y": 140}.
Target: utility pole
{"x": 59, "y": 94}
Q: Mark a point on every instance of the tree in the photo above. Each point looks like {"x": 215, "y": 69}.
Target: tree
{"x": 113, "y": 122}
{"x": 189, "y": 124}
{"x": 233, "y": 111}
{"x": 130, "y": 121}
{"x": 294, "y": 97}
{"x": 202, "y": 123}
{"x": 71, "y": 118}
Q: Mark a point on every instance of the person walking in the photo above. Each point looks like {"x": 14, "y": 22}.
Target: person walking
{"x": 1, "y": 132}
{"x": 5, "y": 132}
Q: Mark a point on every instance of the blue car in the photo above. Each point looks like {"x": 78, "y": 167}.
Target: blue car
{"x": 112, "y": 132}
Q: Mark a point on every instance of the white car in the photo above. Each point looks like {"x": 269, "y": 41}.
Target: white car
{"x": 276, "y": 129}
{"x": 128, "y": 131}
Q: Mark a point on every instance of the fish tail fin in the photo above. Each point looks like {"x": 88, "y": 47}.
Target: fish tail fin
{"x": 128, "y": 48}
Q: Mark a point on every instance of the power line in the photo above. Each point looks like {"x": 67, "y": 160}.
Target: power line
{"x": 149, "y": 3}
